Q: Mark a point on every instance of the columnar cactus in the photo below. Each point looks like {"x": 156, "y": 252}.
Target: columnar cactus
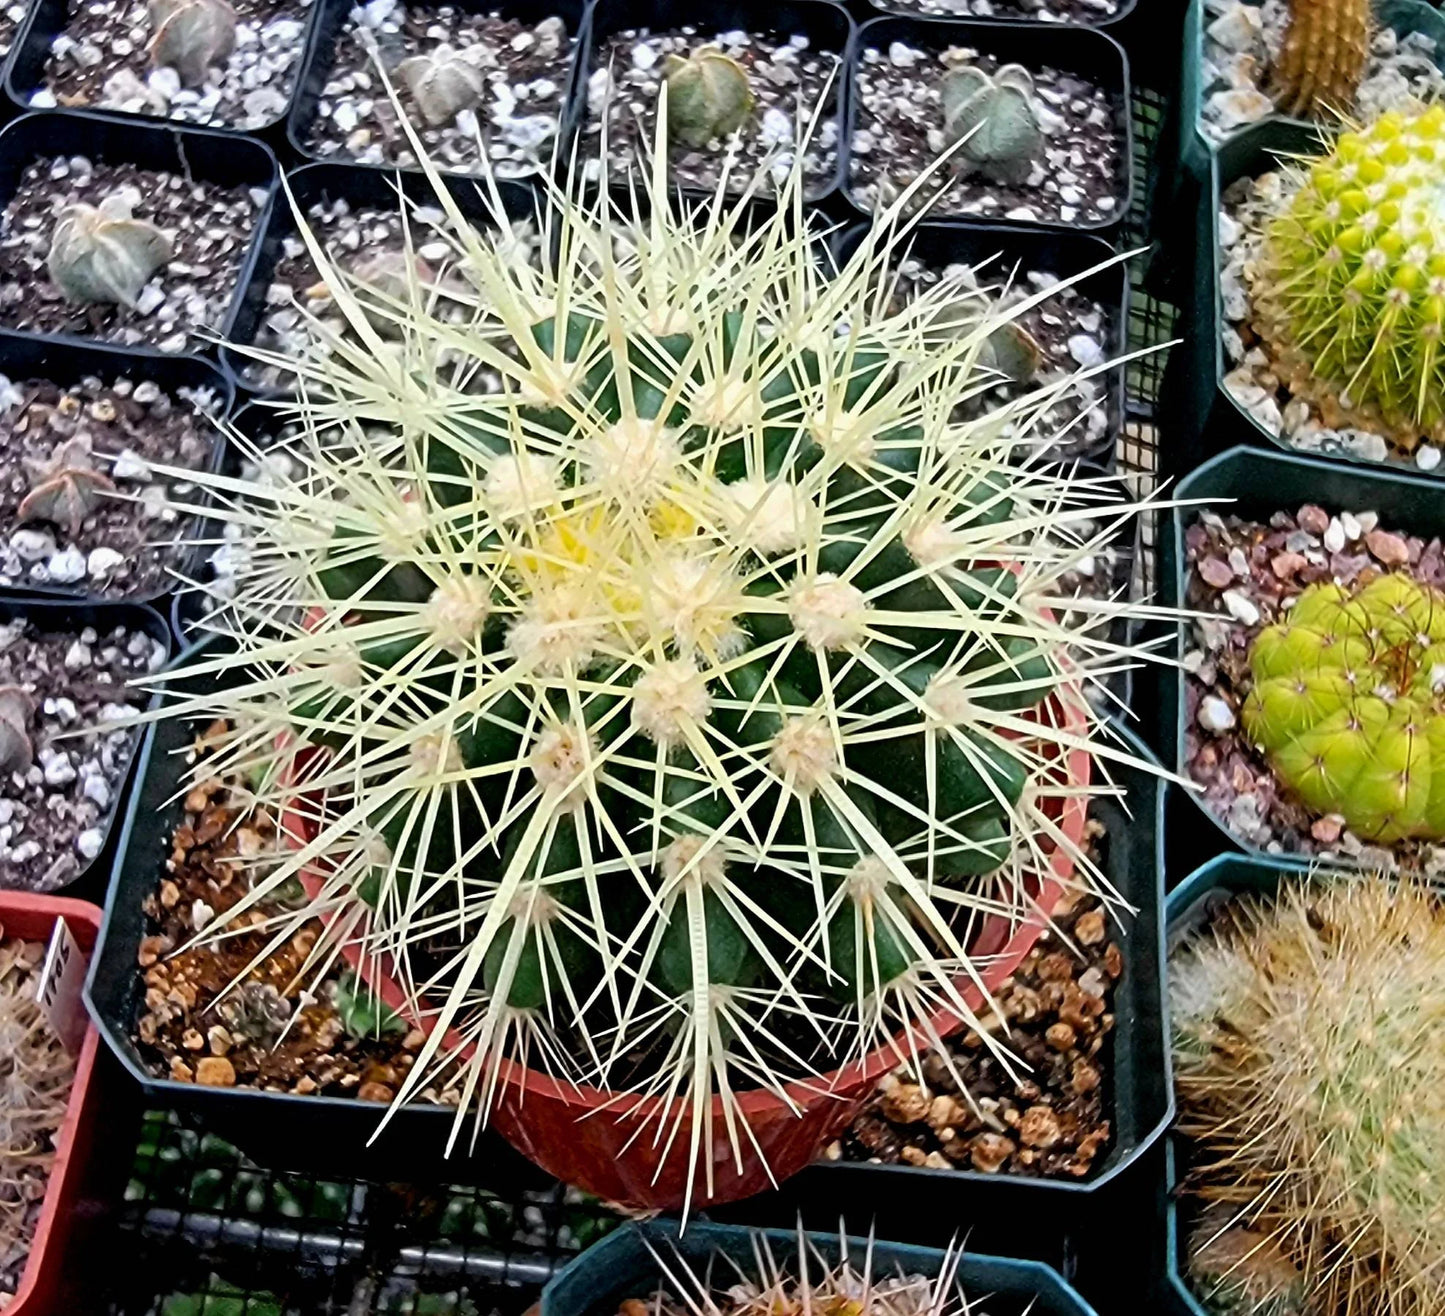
{"x": 995, "y": 118}
{"x": 708, "y": 96}
{"x": 1311, "y": 1086}
{"x": 1323, "y": 60}
{"x": 192, "y": 36}
{"x": 1347, "y": 704}
{"x": 102, "y": 254}
{"x": 1350, "y": 290}
{"x": 672, "y": 705}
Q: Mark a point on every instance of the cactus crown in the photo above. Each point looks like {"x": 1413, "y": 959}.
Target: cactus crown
{"x": 443, "y": 83}
{"x": 708, "y": 96}
{"x": 16, "y": 750}
{"x": 102, "y": 254}
{"x": 1347, "y": 703}
{"x": 191, "y": 36}
{"x": 654, "y": 625}
{"x": 66, "y": 489}
{"x": 996, "y": 120}
{"x": 1323, "y": 60}
{"x": 1312, "y": 1085}
{"x": 1350, "y": 293}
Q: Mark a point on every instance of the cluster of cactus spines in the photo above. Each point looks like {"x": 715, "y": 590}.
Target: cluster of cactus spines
{"x": 192, "y": 36}
{"x": 996, "y": 120}
{"x": 690, "y": 689}
{"x": 17, "y": 751}
{"x": 1349, "y": 292}
{"x": 443, "y": 83}
{"x": 1311, "y": 1085}
{"x": 1323, "y": 60}
{"x": 1239, "y": 1272}
{"x": 67, "y": 488}
{"x": 103, "y": 254}
{"x": 708, "y": 96}
{"x": 1348, "y": 703}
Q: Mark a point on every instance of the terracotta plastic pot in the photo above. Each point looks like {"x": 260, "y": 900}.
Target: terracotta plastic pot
{"x": 52, "y": 1271}
{"x": 592, "y": 1138}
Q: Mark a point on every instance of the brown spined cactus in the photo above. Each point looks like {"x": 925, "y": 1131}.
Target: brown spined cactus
{"x": 1323, "y": 60}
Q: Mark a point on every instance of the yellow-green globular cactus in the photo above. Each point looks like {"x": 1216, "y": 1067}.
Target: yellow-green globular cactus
{"x": 708, "y": 96}
{"x": 1350, "y": 293}
{"x": 1347, "y": 704}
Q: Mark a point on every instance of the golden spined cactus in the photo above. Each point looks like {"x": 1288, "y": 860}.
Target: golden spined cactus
{"x": 1323, "y": 59}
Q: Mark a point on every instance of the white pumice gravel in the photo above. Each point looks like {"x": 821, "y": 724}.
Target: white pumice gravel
{"x": 1041, "y": 11}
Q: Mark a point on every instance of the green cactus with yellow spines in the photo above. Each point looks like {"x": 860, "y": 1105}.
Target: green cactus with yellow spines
{"x": 1347, "y": 704}
{"x": 1349, "y": 292}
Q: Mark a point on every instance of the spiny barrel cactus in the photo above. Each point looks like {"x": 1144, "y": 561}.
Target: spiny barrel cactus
{"x": 708, "y": 96}
{"x": 1346, "y": 702}
{"x": 1350, "y": 290}
{"x": 997, "y": 120}
{"x": 102, "y": 254}
{"x": 670, "y": 709}
{"x": 192, "y": 36}
{"x": 1311, "y": 1083}
{"x": 1323, "y": 60}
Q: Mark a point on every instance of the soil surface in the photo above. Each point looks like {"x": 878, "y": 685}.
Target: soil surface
{"x": 1052, "y": 1121}
{"x": 526, "y": 69}
{"x": 210, "y": 229}
{"x": 1081, "y": 175}
{"x": 788, "y": 79}
{"x": 1243, "y": 575}
{"x": 103, "y": 59}
{"x": 1041, "y": 11}
{"x": 54, "y": 814}
{"x": 105, "y": 439}
{"x": 11, "y": 16}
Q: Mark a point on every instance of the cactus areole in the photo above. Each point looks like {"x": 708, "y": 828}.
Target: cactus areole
{"x": 669, "y": 699}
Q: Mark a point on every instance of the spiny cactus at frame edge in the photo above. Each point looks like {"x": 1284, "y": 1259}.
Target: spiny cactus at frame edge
{"x": 996, "y": 120}
{"x": 1311, "y": 1085}
{"x": 1323, "y": 60}
{"x": 1349, "y": 290}
{"x": 1348, "y": 703}
{"x": 654, "y": 660}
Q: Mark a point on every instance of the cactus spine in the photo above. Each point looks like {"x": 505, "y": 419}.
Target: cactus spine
{"x": 1323, "y": 60}
{"x": 1311, "y": 1082}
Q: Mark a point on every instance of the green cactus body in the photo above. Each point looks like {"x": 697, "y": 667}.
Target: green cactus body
{"x": 1350, "y": 293}
{"x": 708, "y": 96}
{"x": 995, "y": 118}
{"x": 1346, "y": 702}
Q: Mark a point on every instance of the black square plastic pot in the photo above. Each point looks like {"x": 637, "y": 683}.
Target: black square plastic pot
{"x": 47, "y": 19}
{"x": 1086, "y": 51}
{"x": 328, "y": 1136}
{"x": 54, "y": 616}
{"x": 28, "y": 356}
{"x": 224, "y": 159}
{"x": 329, "y": 22}
{"x": 362, "y": 188}
{"x": 629, "y": 1263}
{"x": 1254, "y": 483}
{"x": 826, "y": 25}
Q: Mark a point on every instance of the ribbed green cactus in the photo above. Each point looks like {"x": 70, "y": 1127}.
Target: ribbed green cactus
{"x": 1350, "y": 293}
{"x": 997, "y": 120}
{"x": 1311, "y": 1088}
{"x": 678, "y": 702}
{"x": 708, "y": 96}
{"x": 1347, "y": 703}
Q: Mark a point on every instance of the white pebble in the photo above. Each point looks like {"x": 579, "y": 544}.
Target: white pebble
{"x": 1334, "y": 536}
{"x": 67, "y": 566}
{"x": 1240, "y": 608}
{"x": 1427, "y": 458}
{"x": 90, "y": 842}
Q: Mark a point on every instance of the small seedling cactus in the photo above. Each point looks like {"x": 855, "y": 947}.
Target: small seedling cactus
{"x": 1350, "y": 291}
{"x": 102, "y": 254}
{"x": 1311, "y": 1087}
{"x": 1347, "y": 704}
{"x": 255, "y": 1012}
{"x": 16, "y": 749}
{"x": 362, "y": 1012}
{"x": 66, "y": 489}
{"x": 1323, "y": 60}
{"x": 191, "y": 36}
{"x": 443, "y": 83}
{"x": 708, "y": 96}
{"x": 995, "y": 119}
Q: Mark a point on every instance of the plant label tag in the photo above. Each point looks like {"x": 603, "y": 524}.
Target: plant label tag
{"x": 61, "y": 979}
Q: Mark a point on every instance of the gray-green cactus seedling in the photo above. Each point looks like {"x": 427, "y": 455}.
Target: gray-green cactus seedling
{"x": 995, "y": 119}
{"x": 443, "y": 84}
{"x": 65, "y": 489}
{"x": 16, "y": 750}
{"x": 103, "y": 254}
{"x": 192, "y": 36}
{"x": 708, "y": 96}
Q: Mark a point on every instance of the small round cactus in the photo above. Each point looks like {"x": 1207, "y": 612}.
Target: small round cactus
{"x": 192, "y": 36}
{"x": 995, "y": 118}
{"x": 16, "y": 750}
{"x": 443, "y": 84}
{"x": 708, "y": 96}
{"x": 1350, "y": 291}
{"x": 1346, "y": 703}
{"x": 101, "y": 254}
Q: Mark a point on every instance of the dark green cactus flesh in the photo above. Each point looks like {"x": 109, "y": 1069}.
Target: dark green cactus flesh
{"x": 1347, "y": 704}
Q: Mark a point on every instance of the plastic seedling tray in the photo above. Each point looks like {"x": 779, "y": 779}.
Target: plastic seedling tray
{"x": 826, "y": 25}
{"x": 1086, "y": 51}
{"x": 1255, "y": 483}
{"x": 628, "y": 1264}
{"x": 47, "y": 19}
{"x": 225, "y": 159}
{"x": 54, "y": 616}
{"x": 26, "y": 356}
{"x": 329, "y": 23}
